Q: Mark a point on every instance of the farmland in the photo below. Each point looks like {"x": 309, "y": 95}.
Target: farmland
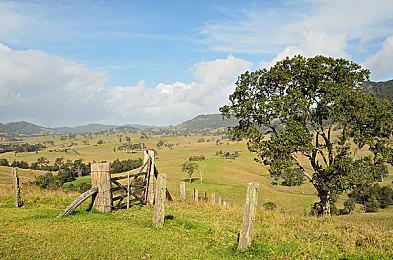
{"x": 209, "y": 231}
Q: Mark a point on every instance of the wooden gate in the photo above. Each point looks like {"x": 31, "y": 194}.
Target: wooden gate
{"x": 135, "y": 191}
{"x": 139, "y": 189}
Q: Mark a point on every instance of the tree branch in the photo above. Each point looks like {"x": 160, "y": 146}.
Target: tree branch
{"x": 302, "y": 168}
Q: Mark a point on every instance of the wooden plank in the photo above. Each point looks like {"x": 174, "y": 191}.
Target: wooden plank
{"x": 168, "y": 194}
{"x": 101, "y": 178}
{"x": 128, "y": 191}
{"x": 250, "y": 207}
{"x": 15, "y": 180}
{"x": 126, "y": 176}
{"x": 182, "y": 190}
{"x": 78, "y": 201}
{"x": 119, "y": 185}
{"x": 124, "y": 204}
{"x": 150, "y": 182}
{"x": 159, "y": 207}
{"x": 195, "y": 195}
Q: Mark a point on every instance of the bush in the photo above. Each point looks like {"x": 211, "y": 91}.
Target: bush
{"x": 269, "y": 205}
{"x": 197, "y": 158}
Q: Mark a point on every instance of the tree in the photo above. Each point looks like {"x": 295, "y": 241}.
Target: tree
{"x": 288, "y": 112}
{"x": 42, "y": 161}
{"x": 59, "y": 162}
{"x": 189, "y": 168}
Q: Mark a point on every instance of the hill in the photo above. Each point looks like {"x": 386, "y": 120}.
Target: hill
{"x": 85, "y": 128}
{"x": 206, "y": 122}
{"x": 20, "y": 129}
{"x": 211, "y": 124}
{"x": 382, "y": 89}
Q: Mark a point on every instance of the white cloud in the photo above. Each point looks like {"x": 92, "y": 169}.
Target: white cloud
{"x": 173, "y": 103}
{"x": 52, "y": 91}
{"x": 333, "y": 28}
{"x": 47, "y": 89}
{"x": 380, "y": 64}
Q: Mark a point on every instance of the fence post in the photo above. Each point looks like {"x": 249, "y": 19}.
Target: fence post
{"x": 150, "y": 185}
{"x": 15, "y": 180}
{"x": 159, "y": 207}
{"x": 219, "y": 201}
{"x": 213, "y": 198}
{"x": 250, "y": 208}
{"x": 195, "y": 195}
{"x": 182, "y": 190}
{"x": 101, "y": 178}
{"x": 224, "y": 204}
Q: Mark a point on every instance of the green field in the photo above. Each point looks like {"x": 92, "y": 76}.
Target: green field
{"x": 208, "y": 231}
{"x": 191, "y": 231}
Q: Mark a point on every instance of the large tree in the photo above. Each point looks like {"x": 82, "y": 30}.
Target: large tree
{"x": 288, "y": 114}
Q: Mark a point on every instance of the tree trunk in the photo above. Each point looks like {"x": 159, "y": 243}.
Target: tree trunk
{"x": 324, "y": 197}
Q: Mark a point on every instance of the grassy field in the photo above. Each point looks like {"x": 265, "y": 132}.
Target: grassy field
{"x": 196, "y": 232}
{"x": 191, "y": 231}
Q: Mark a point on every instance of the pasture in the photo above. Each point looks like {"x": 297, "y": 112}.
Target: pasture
{"x": 191, "y": 230}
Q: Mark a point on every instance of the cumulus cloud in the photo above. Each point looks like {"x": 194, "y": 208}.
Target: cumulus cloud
{"x": 47, "y": 89}
{"x": 52, "y": 91}
{"x": 380, "y": 64}
{"x": 176, "y": 102}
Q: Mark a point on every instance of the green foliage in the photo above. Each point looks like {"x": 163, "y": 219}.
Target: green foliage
{"x": 125, "y": 165}
{"x": 197, "y": 158}
{"x": 21, "y": 148}
{"x": 299, "y": 101}
{"x": 228, "y": 155}
{"x": 269, "y": 205}
{"x": 4, "y": 162}
{"x": 373, "y": 197}
{"x": 189, "y": 168}
{"x": 293, "y": 178}
{"x": 20, "y": 164}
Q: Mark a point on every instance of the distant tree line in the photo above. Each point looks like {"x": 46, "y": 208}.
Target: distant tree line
{"x": 118, "y": 166}
{"x": 21, "y": 148}
{"x": 69, "y": 170}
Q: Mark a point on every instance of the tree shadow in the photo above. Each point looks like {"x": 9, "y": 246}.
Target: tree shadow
{"x": 169, "y": 217}
{"x": 192, "y": 180}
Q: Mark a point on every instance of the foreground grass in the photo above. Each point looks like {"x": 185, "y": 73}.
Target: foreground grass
{"x": 191, "y": 231}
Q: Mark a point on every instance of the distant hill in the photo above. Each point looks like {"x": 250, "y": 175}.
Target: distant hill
{"x": 19, "y": 129}
{"x": 206, "y": 122}
{"x": 382, "y": 89}
{"x": 212, "y": 124}
{"x": 141, "y": 127}
{"x": 85, "y": 128}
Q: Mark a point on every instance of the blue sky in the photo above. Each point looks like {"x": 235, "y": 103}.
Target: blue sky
{"x": 163, "y": 62}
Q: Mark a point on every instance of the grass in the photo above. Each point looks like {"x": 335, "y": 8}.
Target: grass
{"x": 191, "y": 231}
{"x": 278, "y": 235}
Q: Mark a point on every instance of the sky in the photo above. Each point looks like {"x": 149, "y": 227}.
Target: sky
{"x": 68, "y": 63}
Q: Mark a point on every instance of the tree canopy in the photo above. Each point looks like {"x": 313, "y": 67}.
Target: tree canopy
{"x": 288, "y": 114}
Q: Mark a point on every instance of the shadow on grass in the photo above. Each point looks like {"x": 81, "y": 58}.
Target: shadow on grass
{"x": 192, "y": 180}
{"x": 169, "y": 217}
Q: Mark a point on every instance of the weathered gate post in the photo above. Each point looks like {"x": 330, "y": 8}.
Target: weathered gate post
{"x": 150, "y": 179}
{"x": 182, "y": 190}
{"x": 101, "y": 178}
{"x": 15, "y": 180}
{"x": 195, "y": 195}
{"x": 159, "y": 207}
{"x": 250, "y": 208}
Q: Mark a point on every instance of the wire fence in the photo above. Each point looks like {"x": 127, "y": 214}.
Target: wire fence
{"x": 283, "y": 210}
